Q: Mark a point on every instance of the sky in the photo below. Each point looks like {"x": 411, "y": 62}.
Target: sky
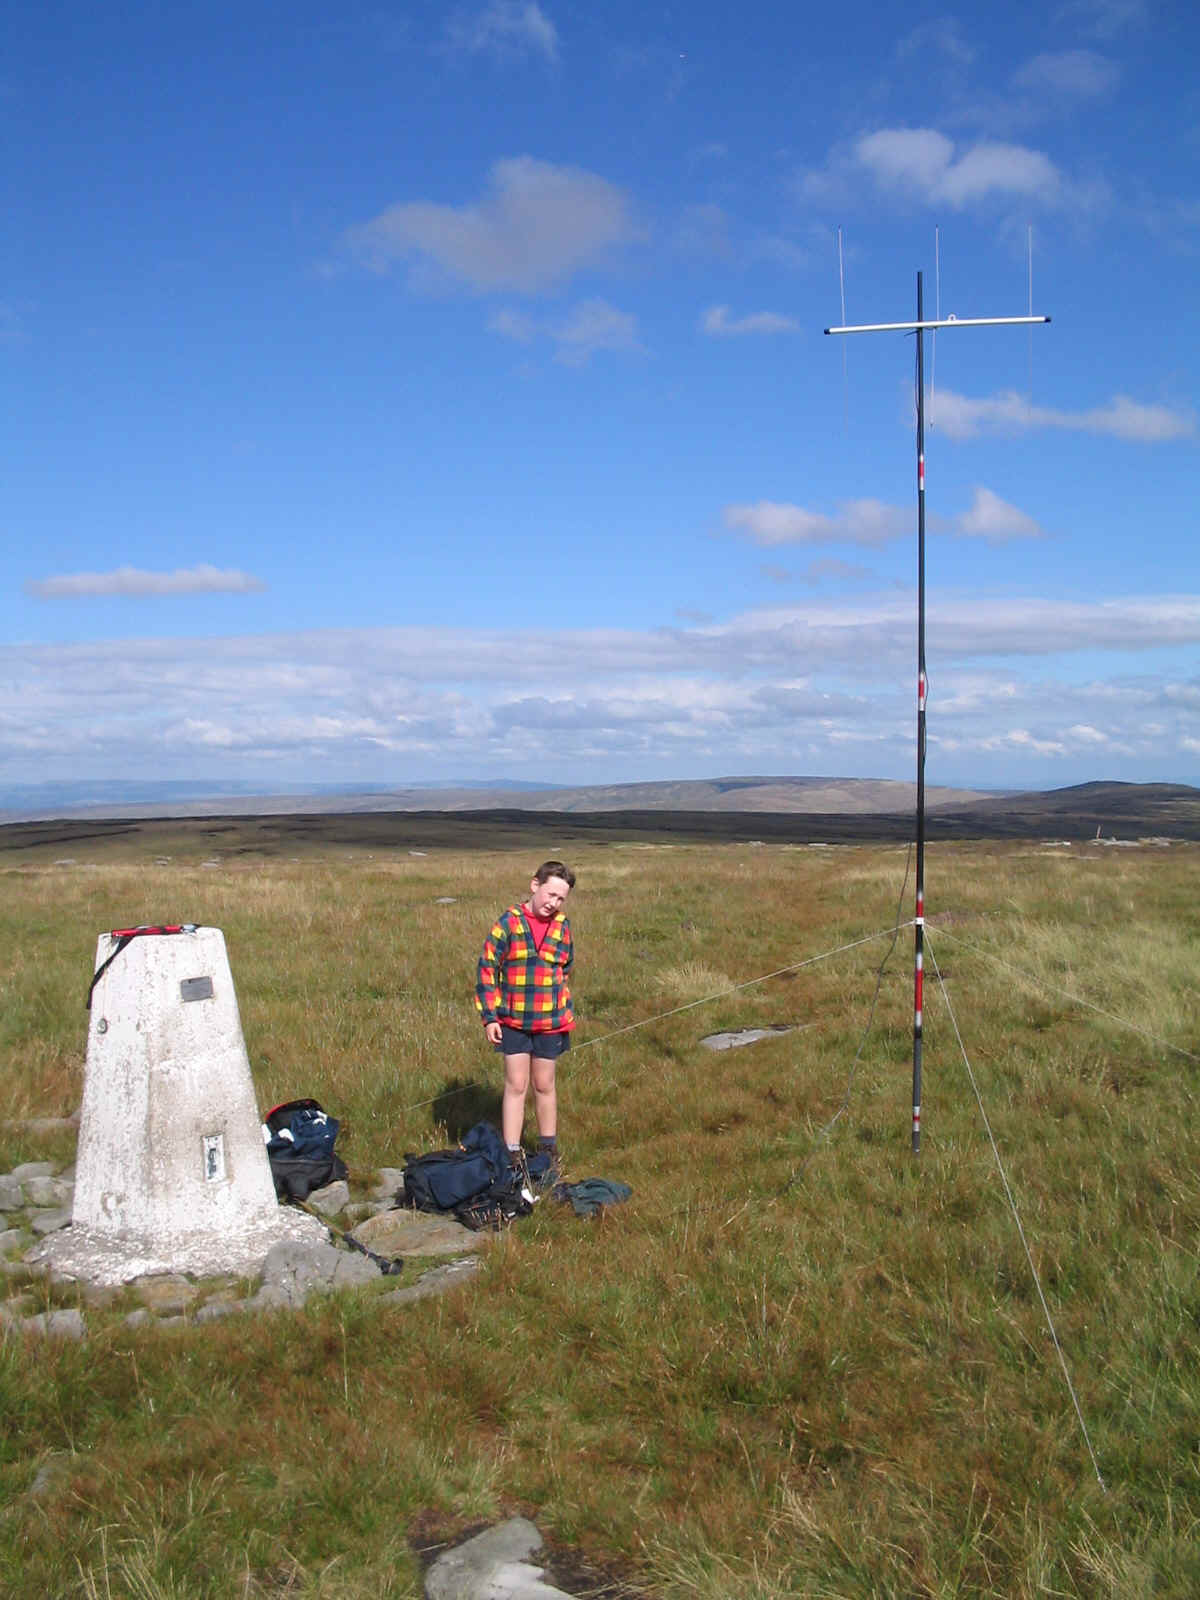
{"x": 427, "y": 392}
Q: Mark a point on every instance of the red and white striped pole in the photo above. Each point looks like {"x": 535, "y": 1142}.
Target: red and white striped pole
{"x": 919, "y": 327}
{"x": 919, "y": 919}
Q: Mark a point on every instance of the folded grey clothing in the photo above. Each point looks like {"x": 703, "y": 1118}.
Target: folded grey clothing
{"x": 590, "y": 1194}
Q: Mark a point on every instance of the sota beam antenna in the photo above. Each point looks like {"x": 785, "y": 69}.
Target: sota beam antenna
{"x": 918, "y": 327}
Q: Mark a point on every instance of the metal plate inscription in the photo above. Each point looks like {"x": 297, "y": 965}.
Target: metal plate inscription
{"x": 196, "y": 989}
{"x": 212, "y": 1154}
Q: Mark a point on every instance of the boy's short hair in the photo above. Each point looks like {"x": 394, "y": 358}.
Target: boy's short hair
{"x": 554, "y": 869}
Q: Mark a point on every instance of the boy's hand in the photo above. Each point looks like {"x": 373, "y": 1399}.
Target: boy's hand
{"x": 492, "y": 1032}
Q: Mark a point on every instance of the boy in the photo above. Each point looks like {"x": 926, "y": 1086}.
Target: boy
{"x": 522, "y": 995}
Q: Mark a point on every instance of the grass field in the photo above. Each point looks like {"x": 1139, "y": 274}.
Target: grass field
{"x": 798, "y": 1362}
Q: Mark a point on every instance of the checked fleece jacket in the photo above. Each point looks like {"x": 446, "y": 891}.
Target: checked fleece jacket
{"x": 522, "y": 986}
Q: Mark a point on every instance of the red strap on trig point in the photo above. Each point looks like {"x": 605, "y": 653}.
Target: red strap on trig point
{"x": 123, "y": 936}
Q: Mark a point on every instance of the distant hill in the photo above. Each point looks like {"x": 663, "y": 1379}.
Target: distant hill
{"x": 836, "y": 796}
{"x": 1105, "y": 803}
{"x": 825, "y": 809}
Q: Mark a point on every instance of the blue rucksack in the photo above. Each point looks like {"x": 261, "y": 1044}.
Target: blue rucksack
{"x": 474, "y": 1180}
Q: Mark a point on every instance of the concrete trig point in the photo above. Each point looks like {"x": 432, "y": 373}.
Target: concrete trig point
{"x": 171, "y": 1173}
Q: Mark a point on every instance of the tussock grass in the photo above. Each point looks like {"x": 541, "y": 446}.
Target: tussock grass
{"x": 798, "y": 1362}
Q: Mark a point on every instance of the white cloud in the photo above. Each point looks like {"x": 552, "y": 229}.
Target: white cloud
{"x": 591, "y": 326}
{"x": 865, "y": 522}
{"x": 202, "y": 579}
{"x": 536, "y": 226}
{"x": 925, "y": 162}
{"x": 943, "y": 36}
{"x": 808, "y": 679}
{"x": 510, "y": 324}
{"x": 1104, "y": 18}
{"x": 995, "y": 520}
{"x": 717, "y": 321}
{"x": 505, "y": 28}
{"x": 1120, "y": 417}
{"x": 594, "y": 325}
{"x": 1079, "y": 74}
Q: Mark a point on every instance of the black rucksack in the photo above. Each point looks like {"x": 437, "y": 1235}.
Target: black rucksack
{"x": 300, "y": 1148}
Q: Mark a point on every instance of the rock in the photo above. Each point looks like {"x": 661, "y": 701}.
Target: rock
{"x": 166, "y": 1293}
{"x": 731, "y": 1041}
{"x": 334, "y": 1197}
{"x": 52, "y": 1471}
{"x": 12, "y": 1197}
{"x": 389, "y": 1182}
{"x": 31, "y": 1169}
{"x": 492, "y": 1566}
{"x": 447, "y": 900}
{"x": 11, "y": 1239}
{"x": 405, "y": 1232}
{"x": 45, "y": 1125}
{"x": 214, "y": 1310}
{"x": 436, "y": 1281}
{"x": 54, "y": 1325}
{"x": 44, "y": 1222}
{"x": 47, "y": 1192}
{"x": 139, "y": 1318}
{"x": 293, "y": 1270}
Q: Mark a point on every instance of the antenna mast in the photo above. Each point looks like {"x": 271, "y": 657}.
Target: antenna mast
{"x": 919, "y": 327}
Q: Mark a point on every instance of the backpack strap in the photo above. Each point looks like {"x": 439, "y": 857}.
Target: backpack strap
{"x": 124, "y": 936}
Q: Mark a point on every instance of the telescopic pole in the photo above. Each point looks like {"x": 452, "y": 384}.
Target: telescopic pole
{"x": 919, "y": 327}
{"x": 919, "y": 918}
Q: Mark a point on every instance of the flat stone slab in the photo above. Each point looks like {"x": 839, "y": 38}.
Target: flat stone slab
{"x": 436, "y": 1281}
{"x": 741, "y": 1036}
{"x": 416, "y": 1233}
{"x": 492, "y": 1566}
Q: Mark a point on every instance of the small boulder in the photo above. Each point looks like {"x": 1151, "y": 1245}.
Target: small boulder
{"x": 166, "y": 1294}
{"x": 67, "y": 1324}
{"x": 47, "y": 1192}
{"x": 44, "y": 1222}
{"x": 389, "y": 1182}
{"x": 293, "y": 1270}
{"x": 331, "y": 1199}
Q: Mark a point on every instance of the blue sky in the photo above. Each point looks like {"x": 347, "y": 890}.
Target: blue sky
{"x": 427, "y": 392}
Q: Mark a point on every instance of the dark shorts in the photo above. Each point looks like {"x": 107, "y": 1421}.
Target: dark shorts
{"x": 545, "y": 1046}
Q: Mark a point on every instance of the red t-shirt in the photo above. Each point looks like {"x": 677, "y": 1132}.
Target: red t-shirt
{"x": 539, "y": 927}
